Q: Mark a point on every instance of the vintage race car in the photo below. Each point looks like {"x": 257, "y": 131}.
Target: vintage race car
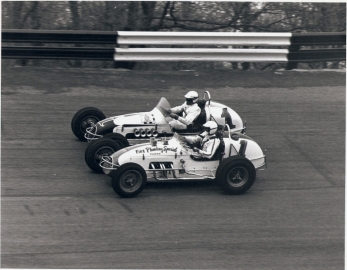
{"x": 90, "y": 124}
{"x": 233, "y": 165}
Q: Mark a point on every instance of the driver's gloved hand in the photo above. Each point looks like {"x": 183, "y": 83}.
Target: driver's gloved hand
{"x": 195, "y": 149}
{"x": 174, "y": 116}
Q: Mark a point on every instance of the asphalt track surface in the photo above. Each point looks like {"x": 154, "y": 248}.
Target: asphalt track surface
{"x": 56, "y": 213}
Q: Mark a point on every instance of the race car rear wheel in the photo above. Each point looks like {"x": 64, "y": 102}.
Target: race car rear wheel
{"x": 236, "y": 175}
{"x": 96, "y": 150}
{"x": 84, "y": 119}
{"x": 129, "y": 180}
{"x": 118, "y": 138}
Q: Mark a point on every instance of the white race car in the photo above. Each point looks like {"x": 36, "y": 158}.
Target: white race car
{"x": 90, "y": 124}
{"x": 233, "y": 166}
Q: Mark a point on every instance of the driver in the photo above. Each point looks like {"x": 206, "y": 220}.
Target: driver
{"x": 190, "y": 109}
{"x": 208, "y": 141}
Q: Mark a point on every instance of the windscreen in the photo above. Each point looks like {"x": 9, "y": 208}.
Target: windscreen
{"x": 163, "y": 106}
{"x": 181, "y": 140}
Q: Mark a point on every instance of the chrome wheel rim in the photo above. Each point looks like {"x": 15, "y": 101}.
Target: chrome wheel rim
{"x": 103, "y": 151}
{"x": 88, "y": 122}
{"x": 130, "y": 181}
{"x": 237, "y": 176}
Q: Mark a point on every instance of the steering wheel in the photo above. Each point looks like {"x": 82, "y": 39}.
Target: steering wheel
{"x": 208, "y": 95}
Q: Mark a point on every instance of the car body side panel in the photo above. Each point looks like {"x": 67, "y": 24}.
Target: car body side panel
{"x": 180, "y": 157}
{"x": 253, "y": 151}
{"x": 215, "y": 109}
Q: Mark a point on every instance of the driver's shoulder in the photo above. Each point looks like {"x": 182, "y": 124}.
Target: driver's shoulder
{"x": 194, "y": 106}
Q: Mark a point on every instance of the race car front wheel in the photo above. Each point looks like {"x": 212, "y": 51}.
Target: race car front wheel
{"x": 96, "y": 150}
{"x": 83, "y": 119}
{"x": 129, "y": 180}
{"x": 118, "y": 138}
{"x": 236, "y": 175}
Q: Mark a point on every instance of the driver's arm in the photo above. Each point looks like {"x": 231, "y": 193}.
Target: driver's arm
{"x": 190, "y": 117}
{"x": 192, "y": 139}
{"x": 177, "y": 109}
{"x": 210, "y": 149}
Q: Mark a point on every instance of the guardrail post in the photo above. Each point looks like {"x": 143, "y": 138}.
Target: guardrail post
{"x": 292, "y": 65}
{"x": 246, "y": 65}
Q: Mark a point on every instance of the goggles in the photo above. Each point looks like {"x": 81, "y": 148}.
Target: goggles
{"x": 208, "y": 129}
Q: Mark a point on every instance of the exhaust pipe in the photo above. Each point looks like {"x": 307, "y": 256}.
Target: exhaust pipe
{"x": 136, "y": 132}
{"x": 154, "y": 133}
{"x": 149, "y": 132}
{"x": 143, "y": 132}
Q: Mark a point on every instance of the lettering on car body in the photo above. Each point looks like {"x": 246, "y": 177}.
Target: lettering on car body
{"x": 156, "y": 150}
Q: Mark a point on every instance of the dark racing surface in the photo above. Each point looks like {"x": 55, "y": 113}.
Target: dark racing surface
{"x": 56, "y": 213}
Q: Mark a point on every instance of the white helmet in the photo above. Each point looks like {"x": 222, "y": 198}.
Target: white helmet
{"x": 211, "y": 127}
{"x": 192, "y": 95}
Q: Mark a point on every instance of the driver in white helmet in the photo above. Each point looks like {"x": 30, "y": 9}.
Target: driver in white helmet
{"x": 190, "y": 110}
{"x": 208, "y": 141}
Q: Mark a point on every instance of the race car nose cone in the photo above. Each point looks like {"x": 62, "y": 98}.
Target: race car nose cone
{"x": 105, "y": 127}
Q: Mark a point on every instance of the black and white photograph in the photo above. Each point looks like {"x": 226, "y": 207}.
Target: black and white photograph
{"x": 173, "y": 135}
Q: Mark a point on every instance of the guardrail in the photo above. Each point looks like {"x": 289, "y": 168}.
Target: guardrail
{"x": 41, "y": 52}
{"x": 197, "y": 54}
{"x": 203, "y": 38}
{"x": 138, "y": 46}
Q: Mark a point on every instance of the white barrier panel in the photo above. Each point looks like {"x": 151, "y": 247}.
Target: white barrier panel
{"x": 195, "y": 54}
{"x": 203, "y": 38}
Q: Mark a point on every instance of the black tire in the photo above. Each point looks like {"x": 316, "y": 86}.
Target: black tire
{"x": 118, "y": 138}
{"x": 98, "y": 148}
{"x": 83, "y": 119}
{"x": 236, "y": 175}
{"x": 129, "y": 180}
